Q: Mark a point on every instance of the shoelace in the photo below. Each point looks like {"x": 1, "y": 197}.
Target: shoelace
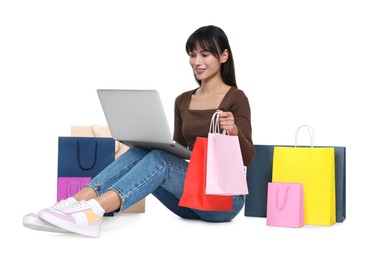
{"x": 61, "y": 204}
{"x": 77, "y": 206}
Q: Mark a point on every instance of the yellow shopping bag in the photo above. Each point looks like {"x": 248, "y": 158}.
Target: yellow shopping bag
{"x": 315, "y": 168}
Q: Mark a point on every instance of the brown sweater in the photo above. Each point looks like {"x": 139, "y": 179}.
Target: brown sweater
{"x": 189, "y": 124}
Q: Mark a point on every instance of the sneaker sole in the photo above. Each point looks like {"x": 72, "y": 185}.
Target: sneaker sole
{"x": 47, "y": 215}
{"x": 32, "y": 221}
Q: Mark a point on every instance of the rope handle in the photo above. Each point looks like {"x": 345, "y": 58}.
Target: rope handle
{"x": 86, "y": 167}
{"x": 285, "y": 199}
{"x": 96, "y": 131}
{"x": 69, "y": 194}
{"x": 215, "y": 125}
{"x": 310, "y": 132}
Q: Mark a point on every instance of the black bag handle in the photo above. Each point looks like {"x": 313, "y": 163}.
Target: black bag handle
{"x": 85, "y": 167}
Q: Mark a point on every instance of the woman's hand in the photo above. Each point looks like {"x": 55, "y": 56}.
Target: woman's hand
{"x": 227, "y": 123}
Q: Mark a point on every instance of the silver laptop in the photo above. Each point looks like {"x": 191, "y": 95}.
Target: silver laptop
{"x": 137, "y": 118}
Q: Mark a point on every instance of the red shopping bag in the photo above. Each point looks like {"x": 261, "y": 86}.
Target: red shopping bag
{"x": 194, "y": 195}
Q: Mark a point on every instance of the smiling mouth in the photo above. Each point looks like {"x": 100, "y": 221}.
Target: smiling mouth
{"x": 199, "y": 71}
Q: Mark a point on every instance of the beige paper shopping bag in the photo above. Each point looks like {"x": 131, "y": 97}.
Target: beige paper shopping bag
{"x": 98, "y": 131}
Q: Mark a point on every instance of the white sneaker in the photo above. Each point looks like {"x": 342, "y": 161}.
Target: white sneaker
{"x": 82, "y": 217}
{"x": 32, "y": 220}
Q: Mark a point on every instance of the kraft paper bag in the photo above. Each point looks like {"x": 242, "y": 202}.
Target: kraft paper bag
{"x": 98, "y": 131}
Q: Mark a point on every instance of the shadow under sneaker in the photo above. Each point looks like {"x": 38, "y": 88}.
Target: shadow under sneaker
{"x": 82, "y": 217}
{"x": 33, "y": 221}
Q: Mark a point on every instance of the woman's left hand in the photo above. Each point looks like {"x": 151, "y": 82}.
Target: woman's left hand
{"x": 227, "y": 123}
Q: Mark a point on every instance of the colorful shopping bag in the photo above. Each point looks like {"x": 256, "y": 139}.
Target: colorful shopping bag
{"x": 258, "y": 177}
{"x": 315, "y": 168}
{"x": 120, "y": 148}
{"x": 68, "y": 186}
{"x": 340, "y": 183}
{"x": 285, "y": 204}
{"x": 194, "y": 195}
{"x": 84, "y": 156}
{"x": 259, "y": 174}
{"x": 225, "y": 173}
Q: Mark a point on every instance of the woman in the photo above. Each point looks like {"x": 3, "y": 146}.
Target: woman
{"x": 139, "y": 172}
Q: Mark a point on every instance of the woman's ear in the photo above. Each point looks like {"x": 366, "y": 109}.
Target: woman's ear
{"x": 224, "y": 56}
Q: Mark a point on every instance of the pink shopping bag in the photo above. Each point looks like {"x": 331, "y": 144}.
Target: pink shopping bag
{"x": 226, "y": 173}
{"x": 285, "y": 204}
{"x": 194, "y": 195}
{"x": 68, "y": 186}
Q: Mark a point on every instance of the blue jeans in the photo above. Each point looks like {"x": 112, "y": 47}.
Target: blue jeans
{"x": 139, "y": 172}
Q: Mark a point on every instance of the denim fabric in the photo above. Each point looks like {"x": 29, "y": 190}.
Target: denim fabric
{"x": 139, "y": 172}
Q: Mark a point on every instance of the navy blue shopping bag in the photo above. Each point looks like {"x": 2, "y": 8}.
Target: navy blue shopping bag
{"x": 84, "y": 156}
{"x": 81, "y": 158}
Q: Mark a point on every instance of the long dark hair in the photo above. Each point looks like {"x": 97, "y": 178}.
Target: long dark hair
{"x": 214, "y": 40}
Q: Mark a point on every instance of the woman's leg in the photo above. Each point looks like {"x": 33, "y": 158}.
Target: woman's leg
{"x": 163, "y": 175}
{"x": 85, "y": 215}
{"x": 112, "y": 173}
{"x": 171, "y": 202}
{"x": 151, "y": 172}
{"x": 131, "y": 182}
{"x": 110, "y": 199}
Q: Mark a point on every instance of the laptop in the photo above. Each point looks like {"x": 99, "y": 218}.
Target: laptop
{"x": 137, "y": 118}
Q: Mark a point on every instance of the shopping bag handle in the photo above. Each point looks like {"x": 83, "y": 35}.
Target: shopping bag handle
{"x": 96, "y": 131}
{"x": 285, "y": 199}
{"x": 69, "y": 194}
{"x": 310, "y": 132}
{"x": 214, "y": 124}
{"x": 85, "y": 167}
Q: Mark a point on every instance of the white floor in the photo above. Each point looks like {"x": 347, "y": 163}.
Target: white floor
{"x": 158, "y": 234}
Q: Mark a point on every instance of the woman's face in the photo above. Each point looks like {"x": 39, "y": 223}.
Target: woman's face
{"x": 204, "y": 64}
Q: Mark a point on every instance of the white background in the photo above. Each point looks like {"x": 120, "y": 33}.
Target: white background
{"x": 299, "y": 62}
